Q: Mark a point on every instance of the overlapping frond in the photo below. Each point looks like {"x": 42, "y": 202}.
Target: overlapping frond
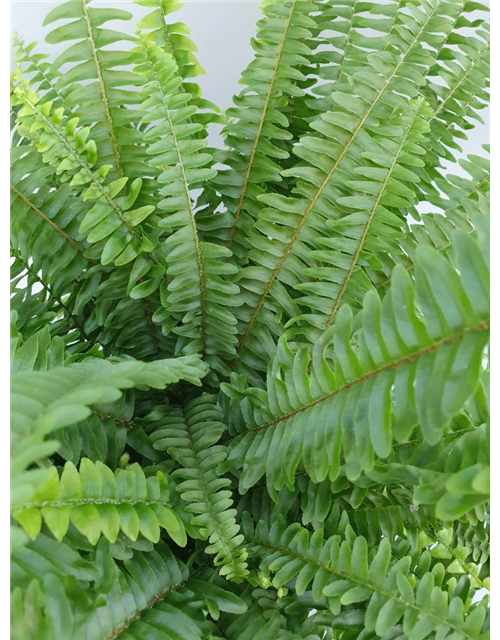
{"x": 99, "y": 437}
{"x": 346, "y": 23}
{"x": 464, "y": 205}
{"x": 271, "y": 614}
{"x": 125, "y": 319}
{"x": 398, "y": 496}
{"x": 375, "y": 380}
{"x": 44, "y": 401}
{"x": 190, "y": 435}
{"x": 118, "y": 232}
{"x": 44, "y": 233}
{"x": 36, "y": 306}
{"x": 65, "y": 147}
{"x": 388, "y": 592}
{"x": 467, "y": 91}
{"x": 457, "y": 90}
{"x": 42, "y": 350}
{"x": 323, "y": 278}
{"x": 143, "y": 594}
{"x": 347, "y": 138}
{"x": 361, "y": 236}
{"x": 197, "y": 295}
{"x": 255, "y": 137}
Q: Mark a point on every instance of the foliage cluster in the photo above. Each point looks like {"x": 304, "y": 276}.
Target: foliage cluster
{"x": 250, "y": 384}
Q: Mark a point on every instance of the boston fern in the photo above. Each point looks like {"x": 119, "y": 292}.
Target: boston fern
{"x": 250, "y": 383}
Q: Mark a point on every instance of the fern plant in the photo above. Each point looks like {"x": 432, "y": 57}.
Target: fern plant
{"x": 250, "y": 383}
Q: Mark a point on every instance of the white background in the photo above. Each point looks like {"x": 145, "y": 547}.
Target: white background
{"x": 221, "y": 29}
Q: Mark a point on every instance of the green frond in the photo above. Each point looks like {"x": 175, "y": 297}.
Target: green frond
{"x": 458, "y": 88}
{"x": 431, "y": 470}
{"x": 323, "y": 279}
{"x": 40, "y": 209}
{"x": 125, "y": 599}
{"x": 100, "y": 437}
{"x": 455, "y": 493}
{"x": 44, "y": 234}
{"x": 99, "y": 502}
{"x": 259, "y": 128}
{"x": 384, "y": 501}
{"x": 190, "y": 436}
{"x": 193, "y": 294}
{"x": 43, "y": 350}
{"x": 44, "y": 401}
{"x": 346, "y": 138}
{"x": 350, "y": 42}
{"x": 391, "y": 352}
{"x": 126, "y": 319}
{"x": 65, "y": 147}
{"x": 94, "y": 381}
{"x": 395, "y": 515}
{"x": 37, "y": 306}
{"x": 374, "y": 197}
{"x": 471, "y": 540}
{"x": 345, "y": 572}
{"x": 99, "y": 103}
{"x": 466, "y": 209}
{"x": 271, "y": 614}
{"x": 119, "y": 232}
{"x": 138, "y": 593}
{"x": 41, "y": 612}
{"x": 46, "y": 555}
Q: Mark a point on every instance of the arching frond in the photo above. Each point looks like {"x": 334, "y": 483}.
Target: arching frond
{"x": 323, "y": 280}
{"x": 346, "y": 139}
{"x": 193, "y": 294}
{"x": 389, "y": 354}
